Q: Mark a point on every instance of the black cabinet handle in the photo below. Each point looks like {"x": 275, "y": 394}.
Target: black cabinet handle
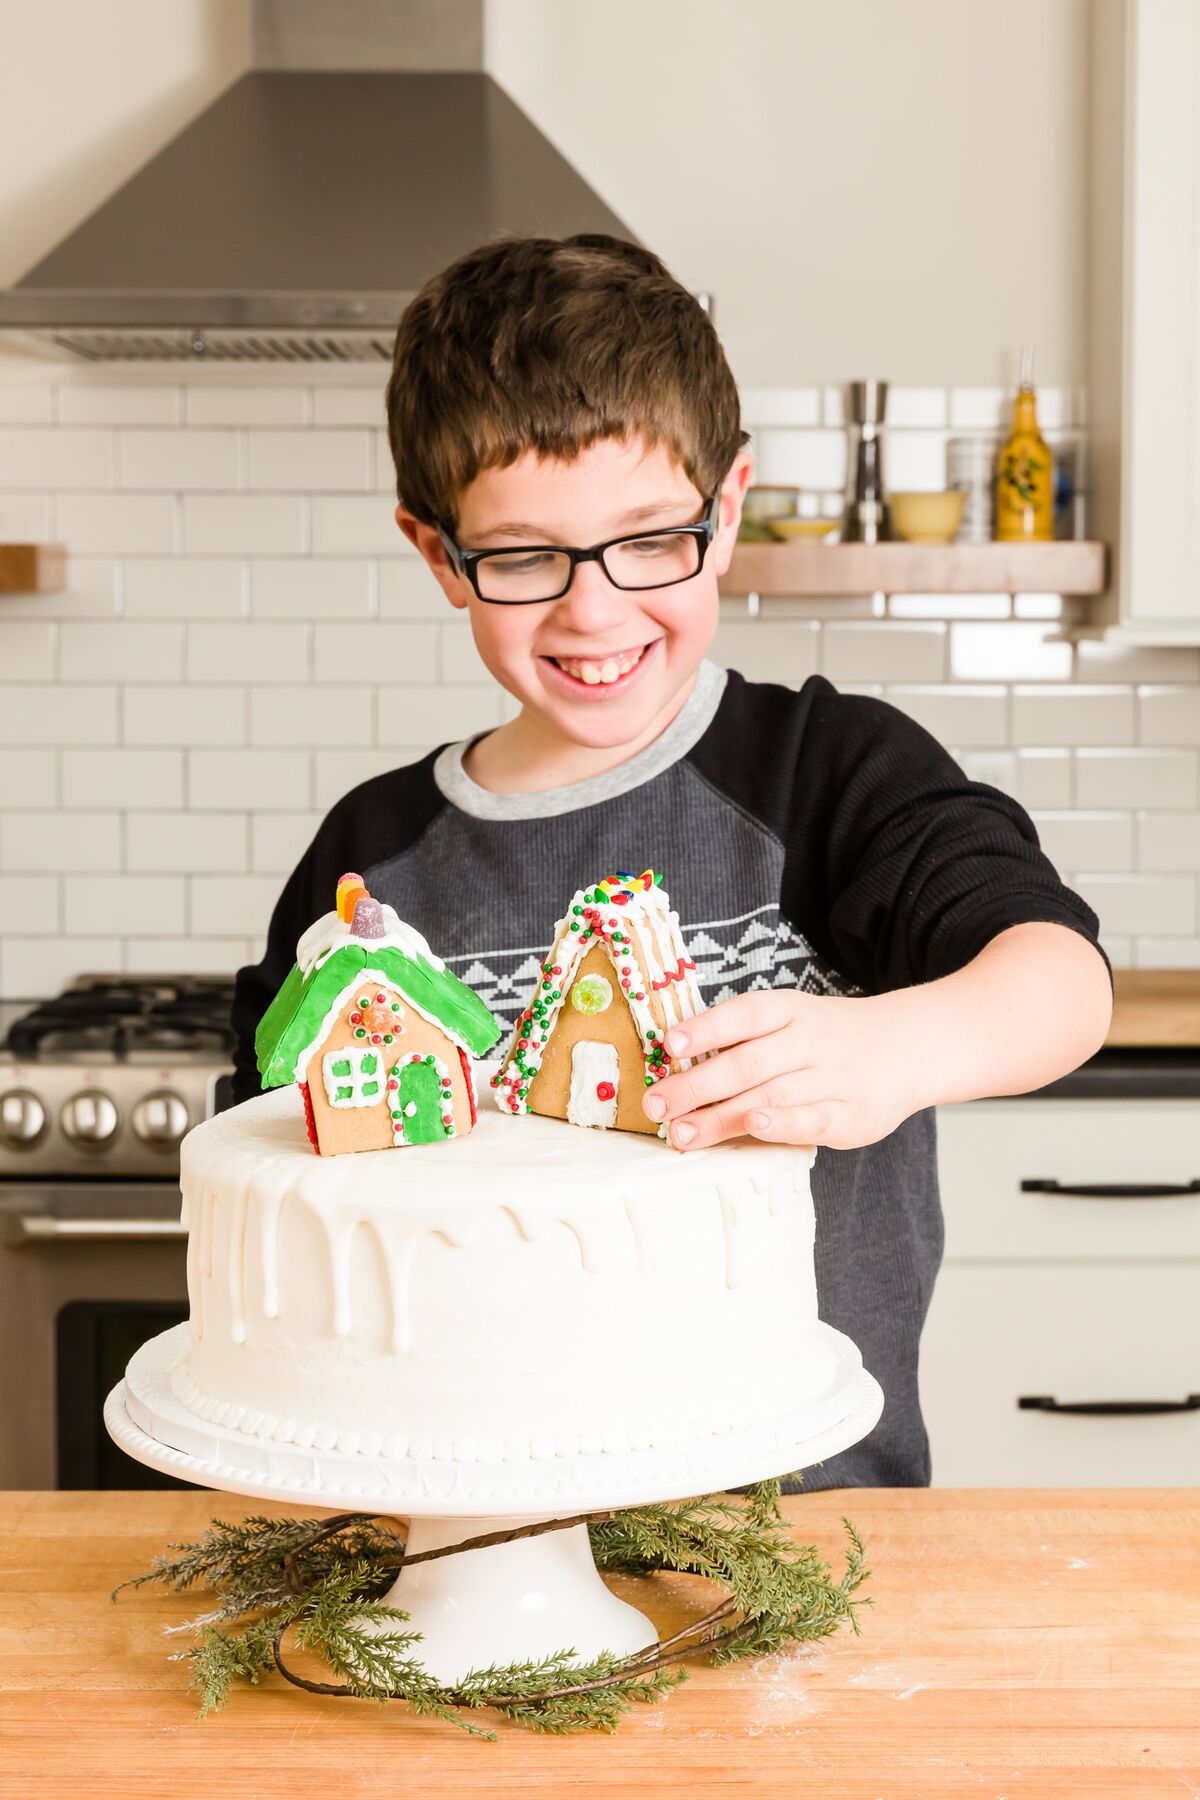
{"x": 1043, "y": 1403}
{"x": 1114, "y": 1190}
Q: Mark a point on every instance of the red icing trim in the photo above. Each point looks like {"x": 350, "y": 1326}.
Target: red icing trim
{"x": 466, "y": 1069}
{"x": 310, "y": 1123}
{"x": 675, "y": 974}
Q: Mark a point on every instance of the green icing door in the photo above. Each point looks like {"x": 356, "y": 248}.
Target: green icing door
{"x": 422, "y": 1103}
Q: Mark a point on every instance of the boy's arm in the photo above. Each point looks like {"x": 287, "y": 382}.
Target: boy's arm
{"x": 808, "y": 1069}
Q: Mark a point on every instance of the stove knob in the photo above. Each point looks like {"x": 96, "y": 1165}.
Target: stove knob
{"x": 160, "y": 1119}
{"x": 22, "y": 1119}
{"x": 90, "y": 1119}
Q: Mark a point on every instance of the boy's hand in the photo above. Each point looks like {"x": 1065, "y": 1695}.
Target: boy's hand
{"x": 790, "y": 1068}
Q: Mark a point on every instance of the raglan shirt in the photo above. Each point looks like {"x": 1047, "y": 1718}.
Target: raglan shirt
{"x": 811, "y": 840}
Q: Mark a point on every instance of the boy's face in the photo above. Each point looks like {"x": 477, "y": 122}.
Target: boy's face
{"x": 601, "y": 666}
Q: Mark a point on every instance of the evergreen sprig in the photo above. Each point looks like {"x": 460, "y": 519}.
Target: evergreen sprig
{"x": 324, "y": 1578}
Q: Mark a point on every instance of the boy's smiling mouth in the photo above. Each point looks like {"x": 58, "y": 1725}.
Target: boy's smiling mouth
{"x": 612, "y": 669}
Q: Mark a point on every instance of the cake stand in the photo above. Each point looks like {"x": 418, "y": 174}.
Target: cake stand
{"x": 505, "y": 1603}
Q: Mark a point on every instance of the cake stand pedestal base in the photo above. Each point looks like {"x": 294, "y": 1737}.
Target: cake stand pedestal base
{"x": 537, "y": 1594}
{"x": 506, "y": 1603}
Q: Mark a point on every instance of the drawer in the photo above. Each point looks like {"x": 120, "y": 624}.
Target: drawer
{"x": 1095, "y": 1332}
{"x": 986, "y": 1149}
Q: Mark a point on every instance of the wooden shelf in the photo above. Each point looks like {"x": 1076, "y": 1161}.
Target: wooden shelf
{"x": 32, "y": 568}
{"x": 1063, "y": 567}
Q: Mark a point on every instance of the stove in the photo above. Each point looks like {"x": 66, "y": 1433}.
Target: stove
{"x": 105, "y": 1078}
{"x": 98, "y": 1085}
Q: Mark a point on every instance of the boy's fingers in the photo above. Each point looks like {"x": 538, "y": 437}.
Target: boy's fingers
{"x": 720, "y": 1077}
{"x": 731, "y": 1022}
{"x": 785, "y": 1121}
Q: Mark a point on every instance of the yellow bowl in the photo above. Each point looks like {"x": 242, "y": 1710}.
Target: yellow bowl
{"x": 927, "y": 518}
{"x": 794, "y": 530}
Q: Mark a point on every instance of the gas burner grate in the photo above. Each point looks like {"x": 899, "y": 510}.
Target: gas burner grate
{"x": 113, "y": 1016}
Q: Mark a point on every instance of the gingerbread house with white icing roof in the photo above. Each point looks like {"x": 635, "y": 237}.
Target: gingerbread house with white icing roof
{"x": 590, "y": 1040}
{"x": 375, "y": 1030}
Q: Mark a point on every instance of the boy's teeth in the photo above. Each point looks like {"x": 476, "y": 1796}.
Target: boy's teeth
{"x": 593, "y": 673}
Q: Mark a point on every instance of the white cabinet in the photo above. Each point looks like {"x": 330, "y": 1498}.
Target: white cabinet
{"x": 1145, "y": 313}
{"x": 1063, "y": 1296}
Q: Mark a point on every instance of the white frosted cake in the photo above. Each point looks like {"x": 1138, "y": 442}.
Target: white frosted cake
{"x": 532, "y": 1290}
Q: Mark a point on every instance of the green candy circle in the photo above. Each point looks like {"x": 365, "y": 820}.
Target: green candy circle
{"x": 591, "y": 994}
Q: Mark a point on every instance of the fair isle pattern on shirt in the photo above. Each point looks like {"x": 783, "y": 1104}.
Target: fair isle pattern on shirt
{"x": 755, "y": 950}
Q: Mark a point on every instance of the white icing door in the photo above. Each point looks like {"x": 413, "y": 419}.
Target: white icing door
{"x": 595, "y": 1078}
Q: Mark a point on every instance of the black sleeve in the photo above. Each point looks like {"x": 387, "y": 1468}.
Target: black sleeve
{"x": 374, "y": 821}
{"x": 898, "y": 868}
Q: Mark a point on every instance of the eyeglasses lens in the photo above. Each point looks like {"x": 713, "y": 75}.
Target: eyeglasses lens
{"x": 645, "y": 562}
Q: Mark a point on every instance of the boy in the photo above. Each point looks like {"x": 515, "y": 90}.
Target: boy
{"x": 875, "y": 933}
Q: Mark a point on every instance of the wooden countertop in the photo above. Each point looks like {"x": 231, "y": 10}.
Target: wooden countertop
{"x": 1155, "y": 1009}
{"x": 1024, "y": 1644}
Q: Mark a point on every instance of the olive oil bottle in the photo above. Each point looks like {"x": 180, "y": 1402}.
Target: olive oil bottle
{"x": 1025, "y": 471}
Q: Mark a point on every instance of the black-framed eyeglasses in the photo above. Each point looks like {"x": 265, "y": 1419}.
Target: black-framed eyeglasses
{"x": 535, "y": 573}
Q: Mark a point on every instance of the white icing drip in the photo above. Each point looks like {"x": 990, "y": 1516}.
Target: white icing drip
{"x": 329, "y": 933}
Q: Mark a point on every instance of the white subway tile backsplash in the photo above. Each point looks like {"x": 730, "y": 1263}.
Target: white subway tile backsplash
{"x": 979, "y": 409}
{"x": 309, "y": 461}
{"x": 249, "y": 652}
{"x": 182, "y": 460}
{"x": 806, "y": 459}
{"x": 909, "y": 406}
{"x": 1054, "y": 715}
{"x": 28, "y": 777}
{"x": 1008, "y": 652}
{"x": 996, "y": 768}
{"x": 294, "y": 717}
{"x": 283, "y": 405}
{"x": 186, "y": 956}
{"x": 460, "y": 660}
{"x": 46, "y": 715}
{"x": 25, "y": 519}
{"x": 375, "y": 652}
{"x": 91, "y": 592}
{"x": 886, "y": 651}
{"x": 1169, "y": 842}
{"x": 1137, "y": 778}
{"x": 335, "y": 772}
{"x": 249, "y": 779}
{"x": 1168, "y": 715}
{"x": 407, "y": 589}
{"x": 914, "y": 462}
{"x": 279, "y": 840}
{"x": 414, "y": 715}
{"x": 1037, "y": 606}
{"x": 56, "y": 459}
{"x": 59, "y": 842}
{"x": 26, "y": 403}
{"x": 949, "y": 606}
{"x": 310, "y": 588}
{"x": 132, "y": 780}
{"x": 244, "y": 524}
{"x": 1167, "y": 953}
{"x": 88, "y": 402}
{"x": 186, "y": 716}
{"x": 351, "y": 405}
{"x": 1044, "y": 779}
{"x": 132, "y": 905}
{"x": 1097, "y": 659}
{"x": 354, "y": 525}
{"x": 975, "y": 717}
{"x": 118, "y": 524}
{"x": 1099, "y": 842}
{"x": 177, "y": 588}
{"x": 33, "y": 906}
{"x": 762, "y": 650}
{"x": 229, "y": 904}
{"x": 32, "y": 967}
{"x": 27, "y": 649}
{"x": 187, "y": 843}
{"x": 120, "y": 651}
{"x": 1154, "y": 905}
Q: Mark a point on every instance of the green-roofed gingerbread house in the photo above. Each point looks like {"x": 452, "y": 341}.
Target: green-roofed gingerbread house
{"x": 376, "y": 1030}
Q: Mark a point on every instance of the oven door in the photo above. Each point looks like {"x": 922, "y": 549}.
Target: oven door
{"x": 88, "y": 1272}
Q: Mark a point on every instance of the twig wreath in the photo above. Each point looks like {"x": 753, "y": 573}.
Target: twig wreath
{"x": 324, "y": 1576}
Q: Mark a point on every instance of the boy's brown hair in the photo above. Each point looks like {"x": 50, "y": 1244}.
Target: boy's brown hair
{"x": 550, "y": 344}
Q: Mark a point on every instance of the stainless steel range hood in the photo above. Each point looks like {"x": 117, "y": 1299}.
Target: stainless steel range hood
{"x": 293, "y": 219}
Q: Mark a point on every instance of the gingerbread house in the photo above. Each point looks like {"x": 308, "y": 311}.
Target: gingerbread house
{"x": 376, "y": 1031}
{"x": 616, "y": 978}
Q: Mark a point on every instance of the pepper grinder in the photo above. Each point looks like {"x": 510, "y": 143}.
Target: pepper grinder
{"x": 867, "y": 519}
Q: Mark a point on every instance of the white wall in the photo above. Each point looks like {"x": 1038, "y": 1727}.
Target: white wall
{"x": 89, "y": 90}
{"x": 869, "y": 187}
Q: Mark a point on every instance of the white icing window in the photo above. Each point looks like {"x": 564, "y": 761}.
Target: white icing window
{"x": 353, "y": 1077}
